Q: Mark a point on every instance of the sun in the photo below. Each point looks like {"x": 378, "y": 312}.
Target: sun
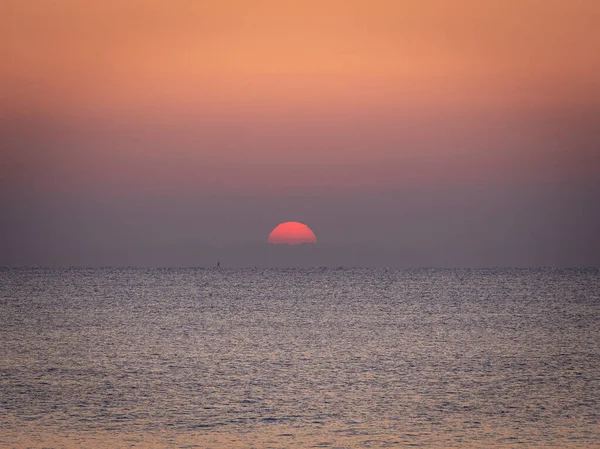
{"x": 292, "y": 233}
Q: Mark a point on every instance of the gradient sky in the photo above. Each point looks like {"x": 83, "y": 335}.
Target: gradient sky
{"x": 404, "y": 133}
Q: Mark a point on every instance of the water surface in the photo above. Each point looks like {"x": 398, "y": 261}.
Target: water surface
{"x": 299, "y": 358}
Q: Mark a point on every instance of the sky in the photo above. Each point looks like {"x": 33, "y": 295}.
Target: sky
{"x": 403, "y": 133}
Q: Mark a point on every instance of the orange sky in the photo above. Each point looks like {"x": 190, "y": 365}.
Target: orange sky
{"x": 469, "y": 125}
{"x": 231, "y": 94}
{"x": 143, "y": 56}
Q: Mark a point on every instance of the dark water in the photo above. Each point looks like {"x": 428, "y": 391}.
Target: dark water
{"x": 299, "y": 358}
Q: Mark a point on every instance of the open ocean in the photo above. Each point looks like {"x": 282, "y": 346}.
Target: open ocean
{"x": 328, "y": 358}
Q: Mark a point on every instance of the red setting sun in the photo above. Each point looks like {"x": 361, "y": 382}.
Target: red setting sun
{"x": 292, "y": 233}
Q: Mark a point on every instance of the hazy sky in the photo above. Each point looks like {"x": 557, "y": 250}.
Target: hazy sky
{"x": 404, "y": 133}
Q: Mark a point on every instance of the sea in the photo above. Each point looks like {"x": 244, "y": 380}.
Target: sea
{"x": 299, "y": 358}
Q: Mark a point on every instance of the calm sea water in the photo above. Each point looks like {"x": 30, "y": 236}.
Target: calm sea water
{"x": 299, "y": 358}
